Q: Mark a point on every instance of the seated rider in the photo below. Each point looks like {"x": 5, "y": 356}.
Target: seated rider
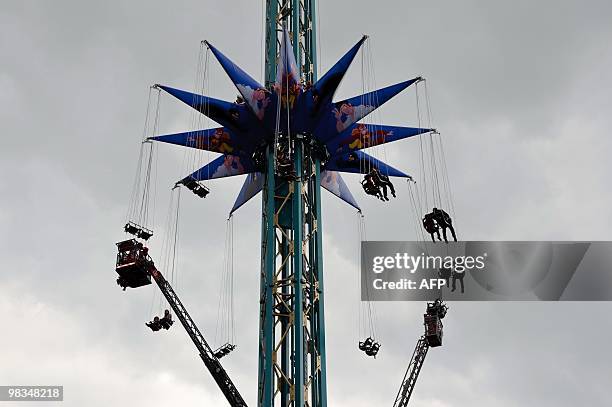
{"x": 131, "y": 228}
{"x": 373, "y": 350}
{"x": 166, "y": 322}
{"x": 224, "y": 350}
{"x": 367, "y": 344}
{"x": 370, "y": 187}
{"x": 430, "y": 225}
{"x": 190, "y": 183}
{"x": 202, "y": 191}
{"x": 382, "y": 181}
{"x": 144, "y": 234}
{"x": 444, "y": 221}
{"x": 155, "y": 325}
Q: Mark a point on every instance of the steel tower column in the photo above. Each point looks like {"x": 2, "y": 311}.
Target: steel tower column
{"x": 292, "y": 329}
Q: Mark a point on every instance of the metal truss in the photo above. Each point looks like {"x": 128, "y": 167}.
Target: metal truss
{"x": 292, "y": 330}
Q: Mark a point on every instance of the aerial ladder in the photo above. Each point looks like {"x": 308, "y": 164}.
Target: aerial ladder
{"x": 436, "y": 311}
{"x": 135, "y": 267}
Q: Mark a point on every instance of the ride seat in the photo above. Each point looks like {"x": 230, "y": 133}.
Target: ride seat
{"x": 131, "y": 228}
{"x": 201, "y": 191}
{"x": 145, "y": 234}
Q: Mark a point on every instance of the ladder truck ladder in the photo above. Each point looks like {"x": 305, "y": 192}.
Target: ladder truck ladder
{"x": 206, "y": 353}
{"x": 412, "y": 373}
{"x": 432, "y": 338}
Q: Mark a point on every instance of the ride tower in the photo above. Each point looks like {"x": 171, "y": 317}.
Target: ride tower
{"x": 291, "y": 140}
{"x": 292, "y": 369}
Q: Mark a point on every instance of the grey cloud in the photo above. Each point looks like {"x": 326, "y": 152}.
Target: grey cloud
{"x": 519, "y": 90}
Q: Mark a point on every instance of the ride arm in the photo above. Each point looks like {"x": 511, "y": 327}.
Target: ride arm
{"x": 412, "y": 373}
{"x": 206, "y": 353}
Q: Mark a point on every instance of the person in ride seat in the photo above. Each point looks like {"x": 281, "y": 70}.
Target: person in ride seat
{"x": 367, "y": 344}
{"x": 370, "y": 187}
{"x": 382, "y": 181}
{"x": 166, "y": 322}
{"x": 144, "y": 234}
{"x": 373, "y": 350}
{"x": 430, "y": 225}
{"x": 444, "y": 221}
{"x": 155, "y": 325}
{"x": 191, "y": 183}
{"x": 224, "y": 350}
{"x": 201, "y": 191}
{"x": 131, "y": 228}
{"x": 458, "y": 276}
{"x": 446, "y": 274}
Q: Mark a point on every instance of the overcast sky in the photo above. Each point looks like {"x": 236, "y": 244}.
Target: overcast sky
{"x": 520, "y": 91}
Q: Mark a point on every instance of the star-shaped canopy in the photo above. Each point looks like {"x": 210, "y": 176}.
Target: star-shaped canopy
{"x": 305, "y": 109}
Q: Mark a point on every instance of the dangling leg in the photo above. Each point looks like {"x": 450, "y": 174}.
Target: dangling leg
{"x": 379, "y": 194}
{"x": 450, "y": 226}
{"x": 444, "y": 234}
{"x": 392, "y": 189}
{"x": 384, "y": 191}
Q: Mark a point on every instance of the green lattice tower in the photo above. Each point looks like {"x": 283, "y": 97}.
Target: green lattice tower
{"x": 292, "y": 369}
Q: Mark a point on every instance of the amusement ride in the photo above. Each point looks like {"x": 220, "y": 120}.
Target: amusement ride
{"x": 291, "y": 140}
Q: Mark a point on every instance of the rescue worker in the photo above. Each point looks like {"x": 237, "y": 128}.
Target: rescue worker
{"x": 437, "y": 308}
{"x": 444, "y": 221}
{"x": 144, "y": 255}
